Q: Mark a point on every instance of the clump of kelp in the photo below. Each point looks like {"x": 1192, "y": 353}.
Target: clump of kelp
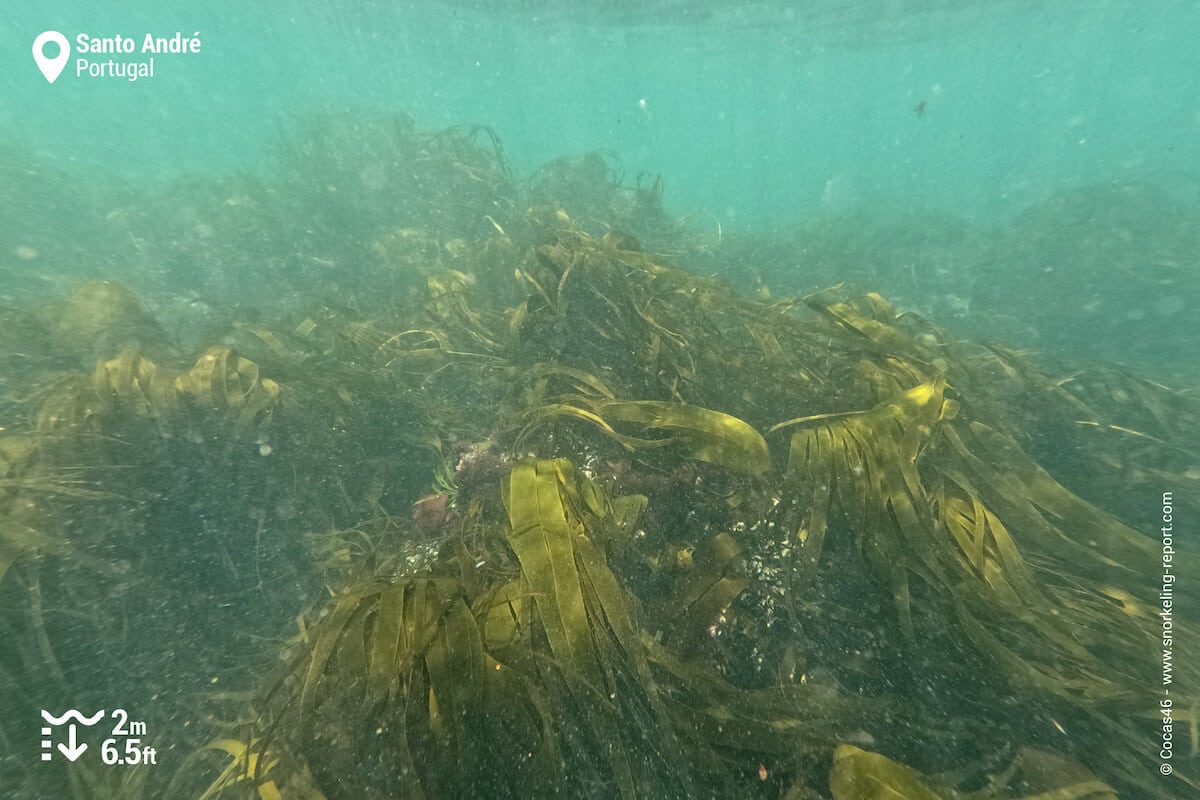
{"x": 566, "y": 520}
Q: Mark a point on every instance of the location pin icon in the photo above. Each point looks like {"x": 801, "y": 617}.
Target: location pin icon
{"x": 51, "y": 67}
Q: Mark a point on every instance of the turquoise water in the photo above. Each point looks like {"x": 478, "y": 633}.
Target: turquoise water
{"x": 654, "y": 399}
{"x": 755, "y": 117}
{"x": 757, "y": 114}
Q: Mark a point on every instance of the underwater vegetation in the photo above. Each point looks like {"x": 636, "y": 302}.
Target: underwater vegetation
{"x": 1115, "y": 261}
{"x": 510, "y": 503}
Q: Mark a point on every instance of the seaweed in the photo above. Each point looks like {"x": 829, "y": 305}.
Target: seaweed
{"x": 535, "y": 511}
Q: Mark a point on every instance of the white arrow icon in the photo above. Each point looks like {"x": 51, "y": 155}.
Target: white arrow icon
{"x": 51, "y": 67}
{"x": 72, "y": 750}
